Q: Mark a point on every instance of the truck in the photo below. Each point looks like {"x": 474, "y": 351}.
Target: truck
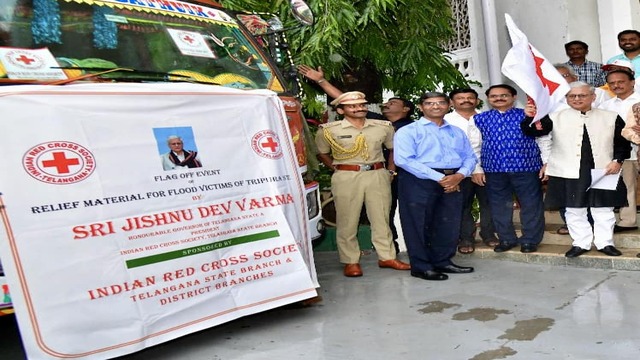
{"x": 64, "y": 43}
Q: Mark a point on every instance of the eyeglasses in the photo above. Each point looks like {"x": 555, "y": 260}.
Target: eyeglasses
{"x": 577, "y": 96}
{"x": 501, "y": 96}
{"x": 434, "y": 103}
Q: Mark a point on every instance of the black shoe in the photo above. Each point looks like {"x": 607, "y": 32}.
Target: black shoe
{"x": 528, "y": 248}
{"x": 610, "y": 250}
{"x": 454, "y": 269}
{"x": 429, "y": 275}
{"x": 502, "y": 247}
{"x": 617, "y": 229}
{"x": 575, "y": 251}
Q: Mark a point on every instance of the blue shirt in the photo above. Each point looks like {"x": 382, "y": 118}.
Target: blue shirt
{"x": 635, "y": 62}
{"x": 423, "y": 146}
{"x": 505, "y": 148}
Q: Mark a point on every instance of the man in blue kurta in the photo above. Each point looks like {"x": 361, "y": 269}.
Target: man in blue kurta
{"x": 510, "y": 164}
{"x": 432, "y": 157}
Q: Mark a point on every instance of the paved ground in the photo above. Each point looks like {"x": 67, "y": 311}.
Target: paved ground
{"x": 504, "y": 310}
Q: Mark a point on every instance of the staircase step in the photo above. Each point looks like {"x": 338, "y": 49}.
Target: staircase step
{"x": 552, "y": 254}
{"x": 551, "y": 250}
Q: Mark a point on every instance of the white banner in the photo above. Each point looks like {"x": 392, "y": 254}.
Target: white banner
{"x": 110, "y": 244}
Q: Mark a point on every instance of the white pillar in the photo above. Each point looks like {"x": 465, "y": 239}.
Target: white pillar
{"x": 491, "y": 41}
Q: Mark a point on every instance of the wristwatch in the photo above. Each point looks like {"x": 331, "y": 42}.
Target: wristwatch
{"x": 619, "y": 161}
{"x": 392, "y": 173}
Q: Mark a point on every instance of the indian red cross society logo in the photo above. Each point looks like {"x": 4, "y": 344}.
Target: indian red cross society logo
{"x": 266, "y": 144}
{"x": 24, "y": 59}
{"x": 59, "y": 162}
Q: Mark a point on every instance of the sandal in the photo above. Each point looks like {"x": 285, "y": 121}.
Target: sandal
{"x": 491, "y": 242}
{"x": 563, "y": 230}
{"x": 466, "y": 247}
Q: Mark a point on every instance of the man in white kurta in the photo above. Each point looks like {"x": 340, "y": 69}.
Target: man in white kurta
{"x": 597, "y": 135}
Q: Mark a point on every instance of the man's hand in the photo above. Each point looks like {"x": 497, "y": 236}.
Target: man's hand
{"x": 613, "y": 168}
{"x": 450, "y": 183}
{"x": 543, "y": 173}
{"x": 636, "y": 129}
{"x": 478, "y": 179}
{"x": 311, "y": 73}
{"x": 530, "y": 110}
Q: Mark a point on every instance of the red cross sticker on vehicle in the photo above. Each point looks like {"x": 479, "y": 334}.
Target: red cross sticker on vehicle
{"x": 266, "y": 144}
{"x": 30, "y": 64}
{"x": 59, "y": 162}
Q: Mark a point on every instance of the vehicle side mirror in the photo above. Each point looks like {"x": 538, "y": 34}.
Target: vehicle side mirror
{"x": 302, "y": 12}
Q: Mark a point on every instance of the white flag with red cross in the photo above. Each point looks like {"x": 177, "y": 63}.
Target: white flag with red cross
{"x": 532, "y": 72}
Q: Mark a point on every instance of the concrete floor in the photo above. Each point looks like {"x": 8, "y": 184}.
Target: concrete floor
{"x": 504, "y": 310}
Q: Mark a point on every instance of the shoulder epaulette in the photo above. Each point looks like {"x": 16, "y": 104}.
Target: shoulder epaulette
{"x": 330, "y": 124}
{"x": 381, "y": 122}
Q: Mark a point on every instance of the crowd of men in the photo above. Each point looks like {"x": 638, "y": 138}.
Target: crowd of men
{"x": 433, "y": 168}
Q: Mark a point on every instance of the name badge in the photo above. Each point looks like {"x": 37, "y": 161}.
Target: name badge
{"x": 344, "y": 136}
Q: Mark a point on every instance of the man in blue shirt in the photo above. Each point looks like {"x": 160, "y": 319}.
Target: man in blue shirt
{"x": 629, "y": 42}
{"x": 432, "y": 158}
{"x": 510, "y": 163}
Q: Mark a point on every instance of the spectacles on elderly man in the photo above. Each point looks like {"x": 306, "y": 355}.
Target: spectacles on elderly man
{"x": 577, "y": 96}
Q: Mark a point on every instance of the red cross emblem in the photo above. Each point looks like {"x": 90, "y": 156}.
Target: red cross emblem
{"x": 266, "y": 144}
{"x": 24, "y": 59}
{"x": 60, "y": 162}
{"x": 272, "y": 145}
{"x": 188, "y": 39}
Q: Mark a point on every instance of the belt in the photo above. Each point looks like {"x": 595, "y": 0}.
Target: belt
{"x": 447, "y": 171}
{"x": 365, "y": 167}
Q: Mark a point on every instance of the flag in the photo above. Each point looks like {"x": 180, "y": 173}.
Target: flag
{"x": 532, "y": 72}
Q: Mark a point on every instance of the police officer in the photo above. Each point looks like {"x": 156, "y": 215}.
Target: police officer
{"x": 353, "y": 148}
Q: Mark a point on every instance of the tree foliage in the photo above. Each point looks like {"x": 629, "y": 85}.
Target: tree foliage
{"x": 395, "y": 41}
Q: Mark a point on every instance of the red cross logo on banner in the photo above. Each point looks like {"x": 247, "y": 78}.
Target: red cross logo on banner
{"x": 60, "y": 162}
{"x": 266, "y": 144}
{"x": 272, "y": 145}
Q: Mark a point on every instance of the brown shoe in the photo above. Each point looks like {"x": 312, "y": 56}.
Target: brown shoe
{"x": 394, "y": 264}
{"x": 352, "y": 270}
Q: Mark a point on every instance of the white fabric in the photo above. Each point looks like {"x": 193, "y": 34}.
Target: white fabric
{"x": 457, "y": 120}
{"x": 580, "y": 229}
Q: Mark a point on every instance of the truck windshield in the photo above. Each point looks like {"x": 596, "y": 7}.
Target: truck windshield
{"x": 58, "y": 39}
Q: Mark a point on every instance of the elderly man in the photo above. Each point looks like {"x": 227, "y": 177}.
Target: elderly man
{"x": 598, "y": 135}
{"x": 353, "y": 148}
{"x": 433, "y": 157}
{"x": 177, "y": 157}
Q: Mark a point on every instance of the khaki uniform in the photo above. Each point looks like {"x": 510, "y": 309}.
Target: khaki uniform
{"x": 351, "y": 189}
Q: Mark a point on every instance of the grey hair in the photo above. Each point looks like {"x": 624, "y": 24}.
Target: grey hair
{"x": 567, "y": 67}
{"x": 171, "y": 137}
{"x": 577, "y": 84}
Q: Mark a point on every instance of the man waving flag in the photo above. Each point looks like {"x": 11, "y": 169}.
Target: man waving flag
{"x": 532, "y": 72}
